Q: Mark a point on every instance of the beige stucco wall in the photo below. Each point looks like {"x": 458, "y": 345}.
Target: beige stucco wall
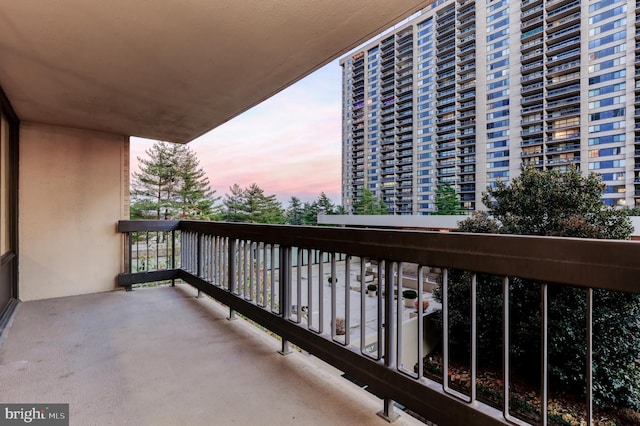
{"x": 73, "y": 187}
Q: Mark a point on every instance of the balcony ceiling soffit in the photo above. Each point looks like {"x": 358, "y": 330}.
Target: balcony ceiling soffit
{"x": 171, "y": 70}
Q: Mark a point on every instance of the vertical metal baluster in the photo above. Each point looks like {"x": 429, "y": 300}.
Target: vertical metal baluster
{"x": 199, "y": 259}
{"x": 299, "y": 287}
{"x": 252, "y": 270}
{"x": 211, "y": 258}
{"x": 238, "y": 265}
{"x": 219, "y": 261}
{"x": 240, "y": 268}
{"x": 505, "y": 345}
{"x": 183, "y": 237}
{"x": 185, "y": 251}
{"x": 445, "y": 329}
{"x": 129, "y": 241}
{"x": 545, "y": 360}
{"x": 589, "y": 356}
{"x": 420, "y": 310}
{"x": 216, "y": 260}
{"x": 247, "y": 270}
{"x": 167, "y": 261}
{"x": 388, "y": 413}
{"x": 199, "y": 255}
{"x": 222, "y": 247}
{"x": 309, "y": 289}
{"x": 232, "y": 272}
{"x": 265, "y": 296}
{"x": 474, "y": 335}
{"x": 273, "y": 277}
{"x": 138, "y": 235}
{"x": 258, "y": 276}
{"x": 174, "y": 263}
{"x": 285, "y": 291}
{"x": 205, "y": 257}
{"x": 333, "y": 289}
{"x": 399, "y": 309}
{"x": 203, "y": 254}
{"x": 320, "y": 292}
{"x": 147, "y": 247}
{"x": 379, "y": 308}
{"x": 214, "y": 257}
{"x": 237, "y": 289}
{"x": 225, "y": 262}
{"x": 363, "y": 310}
{"x": 347, "y": 300}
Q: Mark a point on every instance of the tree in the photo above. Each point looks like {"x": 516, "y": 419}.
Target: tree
{"x": 194, "y": 196}
{"x": 552, "y": 203}
{"x": 170, "y": 185}
{"x": 632, "y": 211}
{"x": 310, "y": 213}
{"x": 447, "y": 202}
{"x": 370, "y": 204}
{"x": 263, "y": 208}
{"x": 295, "y": 211}
{"x": 558, "y": 204}
{"x": 252, "y": 205}
{"x": 325, "y": 206}
{"x": 235, "y": 207}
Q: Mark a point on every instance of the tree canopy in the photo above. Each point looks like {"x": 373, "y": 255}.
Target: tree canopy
{"x": 557, "y": 204}
{"x": 171, "y": 185}
{"x": 295, "y": 212}
{"x": 370, "y": 204}
{"x": 299, "y": 213}
{"x": 251, "y": 204}
{"x": 551, "y": 203}
{"x": 447, "y": 202}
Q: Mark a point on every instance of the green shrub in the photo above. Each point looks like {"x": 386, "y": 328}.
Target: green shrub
{"x": 556, "y": 204}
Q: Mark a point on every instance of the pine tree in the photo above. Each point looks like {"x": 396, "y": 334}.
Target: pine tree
{"x": 447, "y": 201}
{"x": 310, "y": 213}
{"x": 235, "y": 205}
{"x": 170, "y": 185}
{"x": 263, "y": 208}
{"x": 252, "y": 205}
{"x": 325, "y": 206}
{"x": 195, "y": 196}
{"x": 370, "y": 204}
{"x": 295, "y": 211}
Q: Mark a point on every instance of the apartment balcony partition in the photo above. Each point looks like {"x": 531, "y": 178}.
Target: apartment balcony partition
{"x": 277, "y": 277}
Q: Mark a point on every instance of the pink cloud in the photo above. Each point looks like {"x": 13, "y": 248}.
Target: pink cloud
{"x": 289, "y": 144}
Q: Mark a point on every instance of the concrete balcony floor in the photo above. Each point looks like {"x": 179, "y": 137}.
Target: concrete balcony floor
{"x": 159, "y": 356}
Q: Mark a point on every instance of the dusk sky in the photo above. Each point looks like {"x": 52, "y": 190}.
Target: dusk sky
{"x": 289, "y": 145}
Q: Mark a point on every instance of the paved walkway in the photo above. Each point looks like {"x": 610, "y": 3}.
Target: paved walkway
{"x": 158, "y": 356}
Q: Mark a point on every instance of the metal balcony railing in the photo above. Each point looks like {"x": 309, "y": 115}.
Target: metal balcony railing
{"x": 309, "y": 285}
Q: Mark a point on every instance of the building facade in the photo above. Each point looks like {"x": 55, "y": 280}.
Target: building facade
{"x": 467, "y": 93}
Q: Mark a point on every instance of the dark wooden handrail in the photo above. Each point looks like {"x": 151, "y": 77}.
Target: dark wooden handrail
{"x": 606, "y": 264}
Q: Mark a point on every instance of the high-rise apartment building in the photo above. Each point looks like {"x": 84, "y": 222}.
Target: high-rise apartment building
{"x": 468, "y": 92}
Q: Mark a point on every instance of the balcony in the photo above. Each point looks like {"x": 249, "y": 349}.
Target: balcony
{"x": 161, "y": 356}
